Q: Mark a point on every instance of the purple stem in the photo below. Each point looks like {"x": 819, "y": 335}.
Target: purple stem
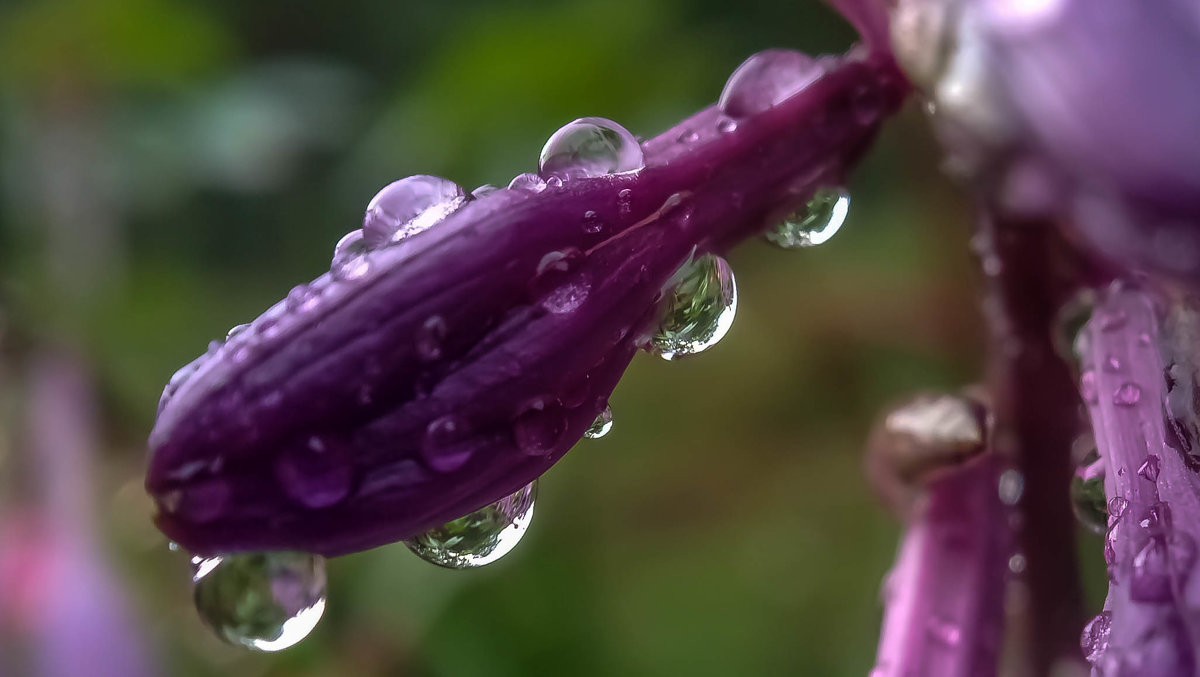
{"x": 945, "y": 595}
{"x": 1151, "y": 625}
{"x": 1029, "y": 276}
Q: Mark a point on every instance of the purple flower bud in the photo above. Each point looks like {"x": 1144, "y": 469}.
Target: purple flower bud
{"x": 440, "y": 368}
{"x": 1143, "y": 426}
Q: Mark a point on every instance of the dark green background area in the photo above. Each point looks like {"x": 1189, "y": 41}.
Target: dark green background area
{"x": 722, "y": 528}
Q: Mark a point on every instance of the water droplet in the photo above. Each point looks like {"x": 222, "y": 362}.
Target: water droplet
{"x": 1117, "y": 507}
{"x": 566, "y": 298}
{"x": 590, "y": 147}
{"x": 315, "y": 473}
{"x": 409, "y": 206}
{"x": 1087, "y": 493}
{"x": 592, "y": 223}
{"x": 429, "y": 338}
{"x": 481, "y": 537}
{"x": 540, "y": 427}
{"x": 816, "y": 223}
{"x": 698, "y": 310}
{"x": 602, "y": 424}
{"x": 483, "y": 191}
{"x": 267, "y": 601}
{"x": 1094, "y": 639}
{"x": 1087, "y": 387}
{"x": 726, "y": 126}
{"x": 447, "y": 445}
{"x": 1112, "y": 321}
{"x": 1149, "y": 468}
{"x": 1017, "y": 563}
{"x": 1112, "y": 364}
{"x": 765, "y": 80}
{"x": 1143, "y": 339}
{"x": 1151, "y": 576}
{"x": 946, "y": 632}
{"x": 235, "y": 331}
{"x": 527, "y": 182}
{"x": 1127, "y": 394}
{"x": 1011, "y": 486}
{"x": 625, "y": 200}
{"x": 1070, "y": 324}
{"x": 302, "y": 298}
{"x": 688, "y": 136}
{"x": 554, "y": 183}
{"x": 350, "y": 257}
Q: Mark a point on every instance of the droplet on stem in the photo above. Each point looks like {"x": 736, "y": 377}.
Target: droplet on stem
{"x": 698, "y": 310}
{"x": 407, "y": 207}
{"x": 590, "y": 147}
{"x": 816, "y": 223}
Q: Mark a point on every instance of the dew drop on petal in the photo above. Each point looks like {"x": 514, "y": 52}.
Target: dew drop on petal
{"x": 267, "y": 601}
{"x": 1127, "y": 394}
{"x": 481, "y": 537}
{"x": 1094, "y": 639}
{"x": 816, "y": 223}
{"x": 590, "y": 147}
{"x": 235, "y": 331}
{"x": 698, "y": 310}
{"x": 429, "y": 338}
{"x": 539, "y": 428}
{"x": 350, "y": 260}
{"x": 727, "y": 125}
{"x": 1117, "y": 506}
{"x": 944, "y": 631}
{"x": 1087, "y": 387}
{"x": 409, "y": 206}
{"x": 527, "y": 182}
{"x": 1149, "y": 468}
{"x": 447, "y": 444}
{"x": 316, "y": 473}
{"x": 765, "y": 80}
{"x": 1087, "y": 493}
{"x": 602, "y": 424}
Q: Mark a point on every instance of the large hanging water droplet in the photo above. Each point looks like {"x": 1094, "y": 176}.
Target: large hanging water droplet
{"x": 765, "y": 80}
{"x": 601, "y": 426}
{"x": 699, "y": 310}
{"x": 409, "y": 206}
{"x": 1087, "y": 493}
{"x": 816, "y": 223}
{"x": 590, "y": 147}
{"x": 481, "y": 537}
{"x": 265, "y": 601}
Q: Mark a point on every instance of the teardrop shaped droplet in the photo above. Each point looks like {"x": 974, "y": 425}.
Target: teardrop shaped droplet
{"x": 481, "y": 537}
{"x": 698, "y": 311}
{"x": 765, "y": 80}
{"x": 602, "y": 424}
{"x": 816, "y": 223}
{"x": 1087, "y": 493}
{"x": 527, "y": 182}
{"x": 409, "y": 206}
{"x": 1149, "y": 468}
{"x": 590, "y": 147}
{"x": 265, "y": 601}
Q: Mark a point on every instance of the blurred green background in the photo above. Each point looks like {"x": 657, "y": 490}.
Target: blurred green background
{"x": 170, "y": 169}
